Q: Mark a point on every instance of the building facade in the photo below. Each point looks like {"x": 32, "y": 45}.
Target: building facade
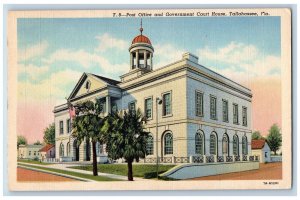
{"x": 203, "y": 115}
{"x": 29, "y": 151}
{"x": 47, "y": 153}
{"x": 261, "y": 148}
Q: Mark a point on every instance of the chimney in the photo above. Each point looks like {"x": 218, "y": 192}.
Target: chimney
{"x": 191, "y": 57}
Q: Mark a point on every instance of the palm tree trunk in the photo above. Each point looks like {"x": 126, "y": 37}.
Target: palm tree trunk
{"x": 95, "y": 170}
{"x": 130, "y": 176}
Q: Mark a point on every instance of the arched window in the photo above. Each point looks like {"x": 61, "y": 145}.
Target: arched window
{"x": 235, "y": 145}
{"x": 244, "y": 145}
{"x": 149, "y": 145}
{"x": 168, "y": 142}
{"x": 61, "y": 150}
{"x": 213, "y": 144}
{"x": 199, "y": 143}
{"x": 225, "y": 145}
{"x": 68, "y": 149}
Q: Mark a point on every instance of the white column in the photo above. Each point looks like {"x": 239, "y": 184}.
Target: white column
{"x": 131, "y": 61}
{"x": 145, "y": 59}
{"x": 151, "y": 67}
{"x": 108, "y": 106}
{"x": 137, "y": 58}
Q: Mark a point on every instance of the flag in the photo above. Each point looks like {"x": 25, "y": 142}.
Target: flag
{"x": 72, "y": 112}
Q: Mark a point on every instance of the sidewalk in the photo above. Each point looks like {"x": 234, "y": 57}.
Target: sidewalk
{"x": 65, "y": 166}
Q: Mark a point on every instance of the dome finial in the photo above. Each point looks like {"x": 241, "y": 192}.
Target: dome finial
{"x": 141, "y": 29}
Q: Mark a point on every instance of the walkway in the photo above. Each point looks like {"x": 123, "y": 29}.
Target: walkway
{"x": 269, "y": 171}
{"x": 64, "y": 166}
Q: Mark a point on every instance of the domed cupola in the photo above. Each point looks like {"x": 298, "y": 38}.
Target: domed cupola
{"x": 141, "y": 52}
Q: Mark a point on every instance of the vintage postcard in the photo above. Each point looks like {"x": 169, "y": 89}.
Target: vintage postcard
{"x": 172, "y": 99}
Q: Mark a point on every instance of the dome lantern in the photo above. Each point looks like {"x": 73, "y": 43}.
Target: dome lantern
{"x": 141, "y": 52}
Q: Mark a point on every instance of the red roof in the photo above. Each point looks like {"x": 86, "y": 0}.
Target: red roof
{"x": 46, "y": 148}
{"x": 257, "y": 144}
{"x": 141, "y": 39}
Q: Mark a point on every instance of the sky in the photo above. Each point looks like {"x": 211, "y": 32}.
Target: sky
{"x": 54, "y": 52}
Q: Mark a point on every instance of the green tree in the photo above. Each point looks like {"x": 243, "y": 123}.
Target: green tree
{"x": 49, "y": 134}
{"x": 256, "y": 135}
{"x": 87, "y": 125}
{"x": 274, "y": 138}
{"x": 21, "y": 140}
{"x": 37, "y": 143}
{"x": 125, "y": 137}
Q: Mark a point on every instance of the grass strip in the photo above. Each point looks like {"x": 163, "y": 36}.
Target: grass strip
{"x": 76, "y": 174}
{"x": 34, "y": 162}
{"x": 139, "y": 170}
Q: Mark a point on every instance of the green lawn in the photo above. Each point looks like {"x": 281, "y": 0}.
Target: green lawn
{"x": 34, "y": 162}
{"x": 139, "y": 170}
{"x": 86, "y": 176}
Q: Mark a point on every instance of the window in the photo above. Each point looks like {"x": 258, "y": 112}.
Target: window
{"x": 50, "y": 153}
{"x": 213, "y": 107}
{"x": 244, "y": 116}
{"x": 34, "y": 153}
{"x": 244, "y": 145}
{"x": 199, "y": 143}
{"x": 61, "y": 127}
{"x": 235, "y": 145}
{"x": 100, "y": 148}
{"x": 68, "y": 149}
{"x": 29, "y": 153}
{"x": 168, "y": 141}
{"x": 114, "y": 107}
{"x": 149, "y": 145}
{"x": 131, "y": 106}
{"x": 61, "y": 150}
{"x": 148, "y": 108}
{"x": 199, "y": 104}
{"x": 235, "y": 114}
{"x": 225, "y": 144}
{"x": 266, "y": 154}
{"x": 68, "y": 126}
{"x": 102, "y": 103}
{"x": 167, "y": 104}
{"x": 225, "y": 110}
{"x": 213, "y": 144}
{"x": 88, "y": 85}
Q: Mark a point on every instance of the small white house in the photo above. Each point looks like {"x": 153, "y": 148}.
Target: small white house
{"x": 47, "y": 152}
{"x": 261, "y": 148}
{"x": 29, "y": 151}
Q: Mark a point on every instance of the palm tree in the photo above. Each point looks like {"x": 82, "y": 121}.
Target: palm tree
{"x": 125, "y": 137}
{"x": 87, "y": 125}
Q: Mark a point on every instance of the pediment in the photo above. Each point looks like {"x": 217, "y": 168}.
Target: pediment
{"x": 86, "y": 84}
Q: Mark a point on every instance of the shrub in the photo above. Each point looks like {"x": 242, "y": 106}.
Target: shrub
{"x": 36, "y": 159}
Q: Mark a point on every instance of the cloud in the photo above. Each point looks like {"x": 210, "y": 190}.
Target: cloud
{"x": 86, "y": 60}
{"x": 106, "y": 41}
{"x": 233, "y": 53}
{"x": 32, "y": 71}
{"x": 166, "y": 54}
{"x": 32, "y": 51}
{"x": 241, "y": 62}
{"x": 56, "y": 86}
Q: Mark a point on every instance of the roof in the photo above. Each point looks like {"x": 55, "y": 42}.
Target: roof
{"x": 32, "y": 146}
{"x": 107, "y": 80}
{"x": 258, "y": 144}
{"x": 46, "y": 148}
{"x": 141, "y": 39}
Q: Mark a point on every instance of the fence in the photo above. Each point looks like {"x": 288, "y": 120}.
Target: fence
{"x": 202, "y": 159}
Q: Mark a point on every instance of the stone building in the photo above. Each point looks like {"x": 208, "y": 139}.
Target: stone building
{"x": 204, "y": 116}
